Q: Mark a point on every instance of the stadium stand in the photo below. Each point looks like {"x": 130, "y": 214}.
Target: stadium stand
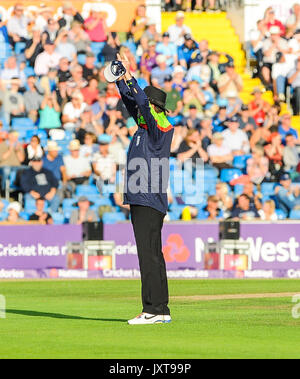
{"x": 206, "y": 76}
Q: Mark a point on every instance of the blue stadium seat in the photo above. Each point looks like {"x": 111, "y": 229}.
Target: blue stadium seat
{"x": 58, "y": 218}
{"x": 3, "y": 216}
{"x": 19, "y": 123}
{"x": 102, "y": 201}
{"x": 295, "y": 214}
{"x": 228, "y": 174}
{"x": 280, "y": 214}
{"x": 86, "y": 190}
{"x": 20, "y": 47}
{"x": 81, "y": 58}
{"x": 267, "y": 189}
{"x": 25, "y": 215}
{"x": 238, "y": 189}
{"x": 29, "y": 71}
{"x": 113, "y": 217}
{"x": 240, "y": 161}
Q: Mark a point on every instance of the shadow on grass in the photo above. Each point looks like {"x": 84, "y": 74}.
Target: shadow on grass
{"x": 59, "y": 315}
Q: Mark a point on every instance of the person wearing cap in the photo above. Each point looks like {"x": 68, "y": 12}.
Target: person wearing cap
{"x": 186, "y": 51}
{"x": 53, "y": 161}
{"x": 270, "y": 21}
{"x": 138, "y": 25}
{"x": 247, "y": 122}
{"x": 49, "y": 58}
{"x": 40, "y": 214}
{"x": 234, "y": 138}
{"x": 273, "y": 49}
{"x": 287, "y": 196}
{"x": 230, "y": 81}
{"x": 39, "y": 182}
{"x": 83, "y": 213}
{"x": 174, "y": 102}
{"x": 78, "y": 168}
{"x": 192, "y": 119}
{"x": 179, "y": 29}
{"x": 285, "y": 127}
{"x": 69, "y": 14}
{"x": 151, "y": 32}
{"x": 168, "y": 49}
{"x": 14, "y": 210}
{"x": 161, "y": 71}
{"x": 103, "y": 163}
{"x": 148, "y": 202}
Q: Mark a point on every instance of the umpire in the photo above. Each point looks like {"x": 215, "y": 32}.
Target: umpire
{"x": 148, "y": 205}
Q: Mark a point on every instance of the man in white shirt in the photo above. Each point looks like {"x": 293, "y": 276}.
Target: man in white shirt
{"x": 219, "y": 154}
{"x": 17, "y": 25}
{"x": 49, "y": 58}
{"x": 78, "y": 168}
{"x": 178, "y": 30}
{"x": 12, "y": 71}
{"x": 234, "y": 138}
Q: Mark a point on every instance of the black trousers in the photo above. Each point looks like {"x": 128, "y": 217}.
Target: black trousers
{"x": 147, "y": 225}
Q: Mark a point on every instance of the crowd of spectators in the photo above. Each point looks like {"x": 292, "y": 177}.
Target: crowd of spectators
{"x": 79, "y": 129}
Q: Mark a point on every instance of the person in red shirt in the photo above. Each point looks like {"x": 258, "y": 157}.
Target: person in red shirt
{"x": 91, "y": 93}
{"x": 270, "y": 20}
{"x": 95, "y": 26}
{"x": 274, "y": 152}
{"x": 259, "y": 107}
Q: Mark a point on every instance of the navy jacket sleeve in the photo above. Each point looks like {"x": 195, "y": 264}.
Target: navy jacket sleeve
{"x": 142, "y": 102}
{"x": 128, "y": 99}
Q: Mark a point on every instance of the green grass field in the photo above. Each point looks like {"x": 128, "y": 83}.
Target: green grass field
{"x": 87, "y": 319}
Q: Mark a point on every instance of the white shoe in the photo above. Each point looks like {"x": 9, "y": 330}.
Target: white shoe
{"x": 148, "y": 318}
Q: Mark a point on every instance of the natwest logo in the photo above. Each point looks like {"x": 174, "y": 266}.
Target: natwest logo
{"x": 274, "y": 252}
{"x": 175, "y": 249}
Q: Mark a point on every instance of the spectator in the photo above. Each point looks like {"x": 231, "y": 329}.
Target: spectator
{"x": 258, "y": 107}
{"x": 257, "y": 38}
{"x": 271, "y": 21}
{"x": 274, "y": 152}
{"x": 95, "y": 25}
{"x": 87, "y": 123}
{"x": 49, "y": 113}
{"x": 219, "y": 120}
{"x": 168, "y": 49}
{"x": 40, "y": 214}
{"x": 179, "y": 29}
{"x": 79, "y": 38}
{"x": 243, "y": 209}
{"x": 193, "y": 95}
{"x": 151, "y": 33}
{"x": 206, "y": 129}
{"x": 39, "y": 182}
{"x": 33, "y": 150}
{"x": 294, "y": 81}
{"x": 230, "y": 82}
{"x": 186, "y": 51}
{"x": 217, "y": 68}
{"x": 273, "y": 48}
{"x": 257, "y": 165}
{"x": 78, "y": 168}
{"x": 173, "y": 103}
{"x": 34, "y": 46}
{"x": 268, "y": 212}
{"x": 199, "y": 71}
{"x": 17, "y": 25}
{"x": 72, "y": 111}
{"x": 90, "y": 92}
{"x": 63, "y": 93}
{"x": 51, "y": 30}
{"x": 293, "y": 22}
{"x": 148, "y": 61}
{"x": 286, "y": 128}
{"x": 204, "y": 51}
{"x": 126, "y": 52}
{"x": 14, "y": 210}
{"x": 12, "y": 71}
{"x": 77, "y": 81}
{"x": 103, "y": 164}
{"x": 191, "y": 148}
{"x": 64, "y": 47}
{"x": 33, "y": 98}
{"x": 177, "y": 139}
{"x": 225, "y": 202}
{"x": 247, "y": 123}
{"x": 69, "y": 14}
{"x": 112, "y": 96}
{"x": 261, "y": 136}
{"x": 111, "y": 48}
{"x": 199, "y": 5}
{"x": 288, "y": 197}
{"x": 63, "y": 72}
{"x": 138, "y": 26}
{"x": 11, "y": 151}
{"x": 53, "y": 161}
{"x": 192, "y": 120}
{"x": 161, "y": 71}
{"x": 83, "y": 213}
{"x": 219, "y": 154}
{"x": 48, "y": 83}
{"x": 13, "y": 101}
{"x": 89, "y": 146}
{"x": 44, "y": 15}
{"x": 49, "y": 58}
{"x": 236, "y": 139}
{"x": 179, "y": 81}
{"x": 250, "y": 190}
{"x": 212, "y": 208}
{"x": 290, "y": 155}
